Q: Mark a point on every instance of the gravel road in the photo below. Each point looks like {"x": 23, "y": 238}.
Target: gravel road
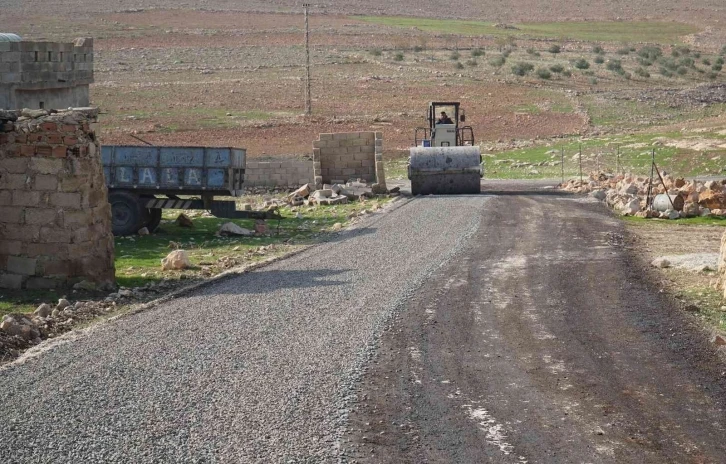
{"x": 256, "y": 368}
{"x": 544, "y": 341}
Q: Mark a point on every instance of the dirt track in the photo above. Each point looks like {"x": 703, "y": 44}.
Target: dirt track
{"x": 542, "y": 343}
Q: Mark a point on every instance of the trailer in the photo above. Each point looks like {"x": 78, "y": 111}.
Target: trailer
{"x": 144, "y": 180}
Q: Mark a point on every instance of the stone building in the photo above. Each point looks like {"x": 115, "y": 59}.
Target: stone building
{"x": 44, "y": 75}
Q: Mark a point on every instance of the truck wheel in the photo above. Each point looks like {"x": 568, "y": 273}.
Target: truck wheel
{"x": 126, "y": 213}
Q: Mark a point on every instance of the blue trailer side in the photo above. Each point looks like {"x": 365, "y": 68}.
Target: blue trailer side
{"x": 137, "y": 177}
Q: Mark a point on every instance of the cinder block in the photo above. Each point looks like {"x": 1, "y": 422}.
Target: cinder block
{"x": 15, "y": 181}
{"x": 379, "y": 156}
{"x": 16, "y": 165}
{"x": 341, "y": 136}
{"x": 368, "y": 163}
{"x": 6, "y": 198}
{"x": 368, "y": 149}
{"x": 43, "y": 182}
{"x": 362, "y": 156}
{"x": 22, "y": 266}
{"x": 348, "y": 171}
{"x": 23, "y": 198}
{"x": 54, "y": 235}
{"x": 379, "y": 135}
{"x": 326, "y": 137}
{"x": 66, "y": 200}
{"x": 46, "y": 166}
{"x": 353, "y": 164}
{"x": 11, "y": 281}
{"x": 42, "y": 283}
{"x": 11, "y": 247}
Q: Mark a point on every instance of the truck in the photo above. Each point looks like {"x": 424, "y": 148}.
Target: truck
{"x": 144, "y": 180}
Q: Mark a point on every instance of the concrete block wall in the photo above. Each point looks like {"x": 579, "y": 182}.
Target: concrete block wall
{"x": 56, "y": 74}
{"x": 346, "y": 155}
{"x": 278, "y": 172}
{"x": 55, "y": 220}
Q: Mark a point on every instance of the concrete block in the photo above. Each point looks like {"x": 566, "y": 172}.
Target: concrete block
{"x": 11, "y": 247}
{"x": 6, "y": 198}
{"x": 46, "y": 165}
{"x": 326, "y": 137}
{"x": 378, "y": 157}
{"x": 40, "y": 216}
{"x": 368, "y": 149}
{"x": 22, "y": 266}
{"x": 379, "y": 135}
{"x": 11, "y": 281}
{"x": 66, "y": 200}
{"x": 23, "y": 198}
{"x": 11, "y": 57}
{"x": 42, "y": 283}
{"x": 368, "y": 163}
{"x": 341, "y": 136}
{"x": 379, "y": 142}
{"x": 43, "y": 182}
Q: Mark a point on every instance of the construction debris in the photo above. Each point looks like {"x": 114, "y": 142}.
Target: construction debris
{"x": 230, "y": 228}
{"x": 672, "y": 198}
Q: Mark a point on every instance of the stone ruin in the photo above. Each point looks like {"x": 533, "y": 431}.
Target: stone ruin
{"x": 55, "y": 220}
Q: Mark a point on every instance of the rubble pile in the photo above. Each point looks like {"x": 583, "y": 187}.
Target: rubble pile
{"x": 335, "y": 194}
{"x": 627, "y": 194}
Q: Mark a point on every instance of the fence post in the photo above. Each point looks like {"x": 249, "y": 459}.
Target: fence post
{"x": 580, "y": 164}
{"x": 617, "y": 160}
{"x": 562, "y": 163}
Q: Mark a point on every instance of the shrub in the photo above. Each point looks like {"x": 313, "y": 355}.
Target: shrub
{"x": 696, "y": 55}
{"x": 706, "y": 62}
{"x": 642, "y": 72}
{"x": 716, "y": 67}
{"x": 498, "y": 61}
{"x": 544, "y": 73}
{"x": 623, "y": 51}
{"x": 615, "y": 66}
{"x": 599, "y": 59}
{"x": 626, "y": 75}
{"x": 567, "y": 73}
{"x": 557, "y": 68}
{"x": 458, "y": 65}
{"x": 376, "y": 52}
{"x": 588, "y": 72}
{"x": 593, "y": 81}
{"x": 581, "y": 63}
{"x": 668, "y": 63}
{"x": 682, "y": 70}
{"x": 719, "y": 60}
{"x": 682, "y": 50}
{"x": 686, "y": 62}
{"x": 506, "y": 53}
{"x": 455, "y": 56}
{"x": 532, "y": 51}
{"x": 477, "y": 52}
{"x": 472, "y": 63}
{"x": 665, "y": 72}
{"x": 398, "y": 56}
{"x": 650, "y": 53}
{"x": 522, "y": 69}
{"x": 723, "y": 51}
{"x": 418, "y": 48}
{"x": 554, "y": 49}
{"x": 712, "y": 75}
{"x": 644, "y": 61}
{"x": 598, "y": 50}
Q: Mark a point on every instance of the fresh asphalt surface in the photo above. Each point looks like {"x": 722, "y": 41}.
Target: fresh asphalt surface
{"x": 506, "y": 327}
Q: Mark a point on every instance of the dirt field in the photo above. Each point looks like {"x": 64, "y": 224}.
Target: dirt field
{"x": 233, "y": 74}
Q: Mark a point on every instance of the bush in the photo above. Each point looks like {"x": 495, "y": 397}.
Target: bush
{"x": 712, "y": 75}
{"x": 581, "y": 63}
{"x": 567, "y": 73}
{"x": 588, "y": 72}
{"x": 696, "y": 55}
{"x": 598, "y": 50}
{"x": 455, "y": 56}
{"x": 458, "y": 65}
{"x": 522, "y": 69}
{"x": 682, "y": 50}
{"x": 593, "y": 81}
{"x": 642, "y": 72}
{"x": 557, "y": 68}
{"x": 719, "y": 60}
{"x": 706, "y": 62}
{"x": 682, "y": 70}
{"x": 650, "y": 53}
{"x": 398, "y": 56}
{"x": 477, "y": 52}
{"x": 554, "y": 49}
{"x": 599, "y": 59}
{"x": 498, "y": 61}
{"x": 376, "y": 52}
{"x": 717, "y": 67}
{"x": 665, "y": 72}
{"x": 686, "y": 62}
{"x": 623, "y": 51}
{"x": 644, "y": 61}
{"x": 615, "y": 66}
{"x": 418, "y": 48}
{"x": 472, "y": 63}
{"x": 668, "y": 63}
{"x": 506, "y": 53}
{"x": 544, "y": 73}
{"x": 532, "y": 51}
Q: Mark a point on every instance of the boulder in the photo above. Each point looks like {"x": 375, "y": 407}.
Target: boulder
{"x": 143, "y": 231}
{"x": 43, "y": 310}
{"x": 379, "y": 189}
{"x": 691, "y": 210}
{"x": 714, "y": 186}
{"x": 230, "y": 228}
{"x": 631, "y": 207}
{"x": 673, "y": 214}
{"x": 62, "y": 304}
{"x": 183, "y": 221}
{"x": 86, "y": 285}
{"x": 712, "y": 200}
{"x": 336, "y": 227}
{"x": 176, "y": 260}
{"x": 598, "y": 194}
{"x": 660, "y": 263}
{"x": 679, "y": 182}
{"x": 629, "y": 189}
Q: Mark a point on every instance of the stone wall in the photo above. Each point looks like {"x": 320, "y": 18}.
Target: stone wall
{"x": 346, "y": 155}
{"x": 55, "y": 220}
{"x": 45, "y": 74}
{"x": 278, "y": 172}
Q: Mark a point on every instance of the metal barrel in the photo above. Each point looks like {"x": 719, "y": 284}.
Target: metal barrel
{"x": 665, "y": 202}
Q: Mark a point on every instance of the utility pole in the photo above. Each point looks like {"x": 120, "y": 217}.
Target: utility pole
{"x": 308, "y": 97}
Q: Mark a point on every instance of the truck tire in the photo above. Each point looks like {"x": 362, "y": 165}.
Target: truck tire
{"x": 126, "y": 213}
{"x": 154, "y": 216}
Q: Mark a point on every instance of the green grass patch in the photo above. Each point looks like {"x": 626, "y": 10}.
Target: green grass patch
{"x": 696, "y": 221}
{"x": 601, "y": 31}
{"x": 25, "y": 301}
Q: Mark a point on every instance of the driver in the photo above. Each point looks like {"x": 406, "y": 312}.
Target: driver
{"x": 444, "y": 119}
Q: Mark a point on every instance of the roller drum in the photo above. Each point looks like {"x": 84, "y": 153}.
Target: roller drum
{"x": 445, "y": 170}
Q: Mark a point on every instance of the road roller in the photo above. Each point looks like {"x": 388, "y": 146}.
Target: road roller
{"x": 444, "y": 159}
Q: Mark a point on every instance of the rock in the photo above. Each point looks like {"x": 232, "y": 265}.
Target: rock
{"x": 660, "y": 263}
{"x": 55, "y": 313}
{"x": 629, "y": 189}
{"x": 713, "y": 186}
{"x": 631, "y": 207}
{"x": 598, "y": 194}
{"x": 673, "y": 214}
{"x": 183, "y": 221}
{"x": 33, "y": 114}
{"x": 62, "y": 304}
{"x": 125, "y": 293}
{"x": 395, "y": 190}
{"x": 336, "y": 188}
{"x": 691, "y": 210}
{"x": 260, "y": 227}
{"x": 6, "y": 115}
{"x": 85, "y": 285}
{"x": 336, "y": 227}
{"x": 43, "y": 310}
{"x": 719, "y": 340}
{"x": 712, "y": 200}
{"x": 303, "y": 191}
{"x": 323, "y": 193}
{"x": 230, "y": 228}
{"x": 143, "y": 231}
{"x": 176, "y": 260}
{"x": 679, "y": 182}
{"x": 642, "y": 214}
{"x": 705, "y": 212}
